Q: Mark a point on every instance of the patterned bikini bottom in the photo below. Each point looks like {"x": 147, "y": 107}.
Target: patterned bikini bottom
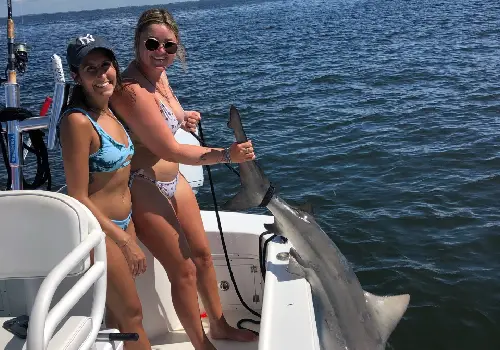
{"x": 167, "y": 188}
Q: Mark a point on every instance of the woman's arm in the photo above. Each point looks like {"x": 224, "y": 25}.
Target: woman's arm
{"x": 138, "y": 108}
{"x": 76, "y": 137}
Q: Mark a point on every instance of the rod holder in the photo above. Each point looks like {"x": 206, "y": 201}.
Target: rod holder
{"x": 15, "y": 128}
{"x": 14, "y": 138}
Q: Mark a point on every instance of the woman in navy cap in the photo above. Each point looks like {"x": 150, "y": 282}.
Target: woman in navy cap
{"x": 96, "y": 153}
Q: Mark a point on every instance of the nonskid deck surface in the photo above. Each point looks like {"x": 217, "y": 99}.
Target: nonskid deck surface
{"x": 180, "y": 341}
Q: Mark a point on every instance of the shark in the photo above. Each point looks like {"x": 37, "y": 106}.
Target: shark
{"x": 347, "y": 317}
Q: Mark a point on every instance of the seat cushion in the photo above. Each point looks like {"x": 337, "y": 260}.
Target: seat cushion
{"x": 39, "y": 229}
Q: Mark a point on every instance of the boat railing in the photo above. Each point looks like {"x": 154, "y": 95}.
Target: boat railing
{"x": 43, "y": 322}
{"x": 63, "y": 267}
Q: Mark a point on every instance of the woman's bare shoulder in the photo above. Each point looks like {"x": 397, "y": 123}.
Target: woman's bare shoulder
{"x": 75, "y": 125}
{"x": 131, "y": 85}
{"x": 74, "y": 116}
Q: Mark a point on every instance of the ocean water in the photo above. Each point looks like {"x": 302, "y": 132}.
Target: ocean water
{"x": 382, "y": 114}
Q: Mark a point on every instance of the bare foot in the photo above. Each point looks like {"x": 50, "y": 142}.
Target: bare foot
{"x": 222, "y": 330}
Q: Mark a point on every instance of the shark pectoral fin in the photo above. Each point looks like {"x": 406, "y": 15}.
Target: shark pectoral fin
{"x": 296, "y": 264}
{"x": 296, "y": 256}
{"x": 387, "y": 311}
{"x": 295, "y": 268}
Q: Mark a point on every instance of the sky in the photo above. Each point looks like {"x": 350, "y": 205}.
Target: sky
{"x": 26, "y": 7}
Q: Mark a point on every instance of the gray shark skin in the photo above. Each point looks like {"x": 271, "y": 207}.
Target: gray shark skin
{"x": 348, "y": 318}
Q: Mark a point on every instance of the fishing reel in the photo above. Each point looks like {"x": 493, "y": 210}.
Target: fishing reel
{"x": 20, "y": 61}
{"x": 21, "y": 54}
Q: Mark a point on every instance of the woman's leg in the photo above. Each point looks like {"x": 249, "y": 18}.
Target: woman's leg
{"x": 111, "y": 321}
{"x": 188, "y": 214}
{"x": 122, "y": 300}
{"x": 159, "y": 230}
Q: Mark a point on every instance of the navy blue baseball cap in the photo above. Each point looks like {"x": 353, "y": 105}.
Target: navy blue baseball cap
{"x": 81, "y": 46}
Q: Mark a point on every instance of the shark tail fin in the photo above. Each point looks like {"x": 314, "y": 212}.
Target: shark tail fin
{"x": 256, "y": 190}
{"x": 248, "y": 198}
{"x": 387, "y": 311}
{"x": 244, "y": 199}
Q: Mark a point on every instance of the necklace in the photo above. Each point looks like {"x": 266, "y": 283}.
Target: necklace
{"x": 98, "y": 111}
{"x": 155, "y": 86}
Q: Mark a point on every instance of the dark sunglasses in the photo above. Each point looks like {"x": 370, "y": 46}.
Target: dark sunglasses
{"x": 152, "y": 45}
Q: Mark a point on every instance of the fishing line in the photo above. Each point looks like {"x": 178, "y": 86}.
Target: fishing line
{"x": 201, "y": 140}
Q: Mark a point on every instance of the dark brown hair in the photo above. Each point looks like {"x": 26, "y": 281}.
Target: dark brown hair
{"x": 77, "y": 95}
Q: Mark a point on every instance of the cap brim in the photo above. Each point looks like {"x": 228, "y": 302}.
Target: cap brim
{"x": 88, "y": 49}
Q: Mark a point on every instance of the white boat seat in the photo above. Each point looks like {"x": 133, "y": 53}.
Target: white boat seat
{"x": 32, "y": 222}
{"x": 49, "y": 236}
{"x": 288, "y": 318}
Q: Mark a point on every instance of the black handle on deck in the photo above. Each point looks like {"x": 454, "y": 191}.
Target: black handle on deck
{"x": 118, "y": 336}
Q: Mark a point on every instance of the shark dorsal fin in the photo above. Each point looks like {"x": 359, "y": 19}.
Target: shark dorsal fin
{"x": 387, "y": 311}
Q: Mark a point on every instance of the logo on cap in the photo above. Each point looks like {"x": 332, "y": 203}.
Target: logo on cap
{"x": 85, "y": 40}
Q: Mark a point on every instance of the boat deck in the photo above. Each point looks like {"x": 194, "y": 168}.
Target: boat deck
{"x": 179, "y": 340}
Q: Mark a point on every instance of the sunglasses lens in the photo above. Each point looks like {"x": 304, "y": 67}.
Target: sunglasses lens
{"x": 171, "y": 47}
{"x": 152, "y": 44}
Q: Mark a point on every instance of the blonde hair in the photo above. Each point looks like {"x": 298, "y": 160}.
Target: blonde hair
{"x": 163, "y": 17}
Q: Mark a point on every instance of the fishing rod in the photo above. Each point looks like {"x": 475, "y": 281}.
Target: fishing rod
{"x": 11, "y": 59}
{"x": 17, "y": 53}
{"x": 19, "y": 120}
{"x": 14, "y": 138}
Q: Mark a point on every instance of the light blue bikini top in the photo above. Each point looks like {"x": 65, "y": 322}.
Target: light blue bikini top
{"x": 112, "y": 155}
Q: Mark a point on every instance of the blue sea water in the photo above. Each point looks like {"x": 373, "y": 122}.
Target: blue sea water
{"x": 381, "y": 113}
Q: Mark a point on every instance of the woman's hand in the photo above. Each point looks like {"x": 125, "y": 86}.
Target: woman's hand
{"x": 191, "y": 120}
{"x": 241, "y": 152}
{"x": 135, "y": 256}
